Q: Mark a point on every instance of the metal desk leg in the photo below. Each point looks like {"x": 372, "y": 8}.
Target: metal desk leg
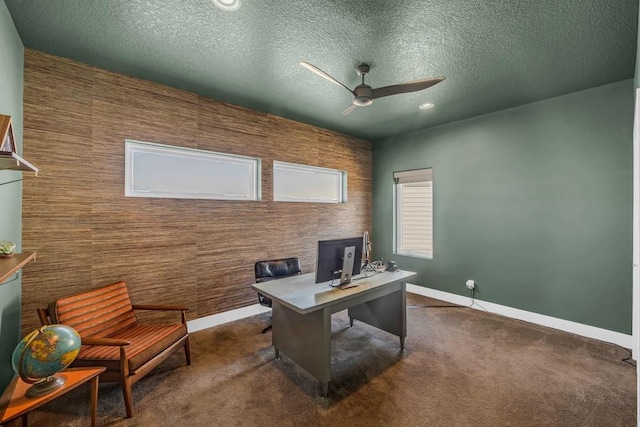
{"x": 305, "y": 339}
{"x": 388, "y": 312}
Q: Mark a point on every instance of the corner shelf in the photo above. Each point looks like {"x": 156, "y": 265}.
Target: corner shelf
{"x": 12, "y": 161}
{"x": 9, "y": 266}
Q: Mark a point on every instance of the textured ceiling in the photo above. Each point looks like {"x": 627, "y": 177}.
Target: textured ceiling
{"x": 495, "y": 54}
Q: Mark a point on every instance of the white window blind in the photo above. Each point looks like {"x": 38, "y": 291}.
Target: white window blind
{"x": 414, "y": 212}
{"x": 301, "y": 183}
{"x": 155, "y": 170}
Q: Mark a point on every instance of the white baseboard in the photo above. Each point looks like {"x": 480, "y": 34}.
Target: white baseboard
{"x": 618, "y": 338}
{"x": 606, "y": 335}
{"x": 225, "y": 317}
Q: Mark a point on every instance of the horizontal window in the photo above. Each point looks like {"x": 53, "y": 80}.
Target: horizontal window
{"x": 301, "y": 183}
{"x": 155, "y": 170}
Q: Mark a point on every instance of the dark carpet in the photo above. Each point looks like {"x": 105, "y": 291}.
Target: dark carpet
{"x": 461, "y": 367}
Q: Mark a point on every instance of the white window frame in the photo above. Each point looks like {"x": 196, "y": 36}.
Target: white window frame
{"x": 314, "y": 178}
{"x": 188, "y": 166}
{"x": 400, "y": 179}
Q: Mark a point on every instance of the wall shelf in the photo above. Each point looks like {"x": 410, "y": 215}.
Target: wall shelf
{"x": 9, "y": 266}
{"x": 9, "y": 159}
{"x": 12, "y": 161}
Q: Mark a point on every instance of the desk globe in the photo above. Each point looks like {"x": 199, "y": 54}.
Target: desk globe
{"x": 42, "y": 353}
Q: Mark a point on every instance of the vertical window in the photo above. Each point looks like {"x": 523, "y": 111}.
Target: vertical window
{"x": 414, "y": 212}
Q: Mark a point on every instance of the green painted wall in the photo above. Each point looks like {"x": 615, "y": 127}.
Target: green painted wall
{"x": 11, "y": 81}
{"x": 534, "y": 203}
{"x": 637, "y": 73}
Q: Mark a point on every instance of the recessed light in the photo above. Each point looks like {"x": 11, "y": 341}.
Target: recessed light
{"x": 227, "y": 4}
{"x": 426, "y": 106}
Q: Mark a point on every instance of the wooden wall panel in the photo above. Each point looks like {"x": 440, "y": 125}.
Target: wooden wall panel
{"x": 195, "y": 252}
{"x": 148, "y": 243}
{"x": 57, "y": 212}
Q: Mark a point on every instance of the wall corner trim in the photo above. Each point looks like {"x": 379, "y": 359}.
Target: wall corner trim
{"x": 600, "y": 334}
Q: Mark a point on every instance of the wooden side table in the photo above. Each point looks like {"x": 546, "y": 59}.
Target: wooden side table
{"x": 14, "y": 403}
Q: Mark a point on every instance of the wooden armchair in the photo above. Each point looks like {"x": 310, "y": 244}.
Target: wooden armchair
{"x": 113, "y": 338}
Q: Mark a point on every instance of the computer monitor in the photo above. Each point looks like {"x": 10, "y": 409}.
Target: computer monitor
{"x": 335, "y": 254}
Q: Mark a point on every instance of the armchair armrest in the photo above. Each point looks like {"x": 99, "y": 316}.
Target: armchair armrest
{"x": 103, "y": 341}
{"x": 164, "y": 308}
{"x": 124, "y": 365}
{"x": 159, "y": 307}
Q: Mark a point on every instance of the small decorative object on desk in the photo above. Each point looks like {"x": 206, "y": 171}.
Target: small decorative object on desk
{"x": 42, "y": 353}
{"x": 379, "y": 266}
{"x": 7, "y": 249}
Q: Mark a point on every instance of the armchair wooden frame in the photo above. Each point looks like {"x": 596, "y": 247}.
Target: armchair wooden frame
{"x": 124, "y": 376}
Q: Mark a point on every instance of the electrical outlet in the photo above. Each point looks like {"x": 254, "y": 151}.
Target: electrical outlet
{"x": 471, "y": 284}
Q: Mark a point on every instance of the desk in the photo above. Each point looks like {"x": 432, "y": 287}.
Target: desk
{"x": 302, "y": 314}
{"x": 14, "y": 403}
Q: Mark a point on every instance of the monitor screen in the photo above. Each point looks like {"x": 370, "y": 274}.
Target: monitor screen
{"x": 330, "y": 258}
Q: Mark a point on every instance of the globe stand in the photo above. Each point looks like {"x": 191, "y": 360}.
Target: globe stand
{"x": 45, "y": 386}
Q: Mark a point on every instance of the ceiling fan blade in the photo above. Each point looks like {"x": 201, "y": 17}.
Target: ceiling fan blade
{"x": 349, "y": 109}
{"x": 322, "y": 74}
{"x": 406, "y": 87}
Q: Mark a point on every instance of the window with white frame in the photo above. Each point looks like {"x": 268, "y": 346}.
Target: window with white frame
{"x": 156, "y": 170}
{"x": 414, "y": 213}
{"x": 301, "y": 183}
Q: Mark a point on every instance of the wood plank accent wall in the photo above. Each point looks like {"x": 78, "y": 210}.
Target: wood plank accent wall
{"x": 194, "y": 252}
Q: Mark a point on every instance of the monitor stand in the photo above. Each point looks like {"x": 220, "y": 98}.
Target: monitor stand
{"x": 347, "y": 264}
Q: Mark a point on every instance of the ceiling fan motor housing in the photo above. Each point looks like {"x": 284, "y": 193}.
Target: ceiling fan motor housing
{"x": 363, "y": 95}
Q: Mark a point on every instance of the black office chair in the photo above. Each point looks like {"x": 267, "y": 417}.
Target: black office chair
{"x": 272, "y": 270}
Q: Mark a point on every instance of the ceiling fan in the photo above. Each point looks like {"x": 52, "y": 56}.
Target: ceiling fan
{"x": 364, "y": 94}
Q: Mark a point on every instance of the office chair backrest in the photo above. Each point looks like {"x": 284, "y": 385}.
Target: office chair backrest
{"x": 277, "y": 269}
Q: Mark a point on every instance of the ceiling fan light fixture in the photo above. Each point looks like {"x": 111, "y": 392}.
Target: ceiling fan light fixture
{"x": 426, "y": 106}
{"x": 362, "y": 101}
{"x": 228, "y": 5}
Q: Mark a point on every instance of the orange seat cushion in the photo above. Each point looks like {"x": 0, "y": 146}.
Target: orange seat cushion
{"x": 146, "y": 342}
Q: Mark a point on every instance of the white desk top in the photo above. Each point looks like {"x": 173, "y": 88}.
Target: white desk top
{"x": 303, "y": 295}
